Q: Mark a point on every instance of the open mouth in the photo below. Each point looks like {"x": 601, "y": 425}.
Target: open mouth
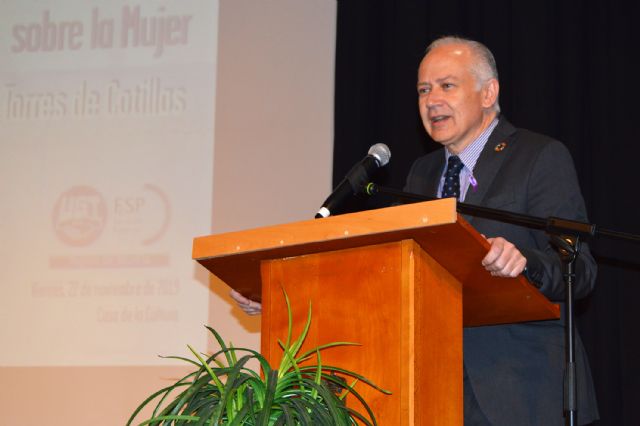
{"x": 438, "y": 119}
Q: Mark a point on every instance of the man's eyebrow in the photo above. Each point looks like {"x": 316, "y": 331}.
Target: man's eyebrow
{"x": 439, "y": 80}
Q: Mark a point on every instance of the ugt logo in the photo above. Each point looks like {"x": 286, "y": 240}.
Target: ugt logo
{"x": 79, "y": 216}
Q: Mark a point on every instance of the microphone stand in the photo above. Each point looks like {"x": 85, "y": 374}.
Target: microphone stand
{"x": 565, "y": 236}
{"x": 568, "y": 247}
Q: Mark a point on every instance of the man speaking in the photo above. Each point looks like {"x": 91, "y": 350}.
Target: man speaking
{"x": 513, "y": 374}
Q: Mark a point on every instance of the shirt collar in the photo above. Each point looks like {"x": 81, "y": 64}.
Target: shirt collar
{"x": 469, "y": 156}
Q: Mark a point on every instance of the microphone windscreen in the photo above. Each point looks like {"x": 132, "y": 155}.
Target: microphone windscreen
{"x": 381, "y": 153}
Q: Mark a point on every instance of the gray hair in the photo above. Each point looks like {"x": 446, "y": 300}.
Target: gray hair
{"x": 484, "y": 68}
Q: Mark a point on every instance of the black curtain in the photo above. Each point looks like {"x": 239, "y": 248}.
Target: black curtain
{"x": 568, "y": 69}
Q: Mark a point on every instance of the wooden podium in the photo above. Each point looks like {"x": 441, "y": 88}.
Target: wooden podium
{"x": 401, "y": 281}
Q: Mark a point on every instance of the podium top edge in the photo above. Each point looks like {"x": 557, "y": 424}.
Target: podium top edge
{"x": 353, "y": 225}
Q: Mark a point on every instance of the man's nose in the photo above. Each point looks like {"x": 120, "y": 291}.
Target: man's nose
{"x": 434, "y": 98}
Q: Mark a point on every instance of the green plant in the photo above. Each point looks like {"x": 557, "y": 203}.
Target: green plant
{"x": 229, "y": 393}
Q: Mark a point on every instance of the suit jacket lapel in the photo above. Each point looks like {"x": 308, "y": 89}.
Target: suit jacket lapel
{"x": 489, "y": 162}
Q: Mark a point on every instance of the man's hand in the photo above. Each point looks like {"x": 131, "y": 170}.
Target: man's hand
{"x": 248, "y": 306}
{"x": 503, "y": 259}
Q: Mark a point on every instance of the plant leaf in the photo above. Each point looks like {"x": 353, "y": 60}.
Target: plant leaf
{"x": 162, "y": 418}
{"x": 272, "y": 381}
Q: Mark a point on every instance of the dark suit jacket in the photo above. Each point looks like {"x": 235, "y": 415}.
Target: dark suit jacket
{"x": 516, "y": 371}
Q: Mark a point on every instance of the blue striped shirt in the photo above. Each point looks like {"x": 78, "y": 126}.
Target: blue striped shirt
{"x": 469, "y": 158}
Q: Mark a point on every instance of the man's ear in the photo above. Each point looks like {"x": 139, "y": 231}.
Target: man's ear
{"x": 490, "y": 92}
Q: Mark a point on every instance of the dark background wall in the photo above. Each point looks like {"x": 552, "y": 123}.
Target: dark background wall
{"x": 567, "y": 69}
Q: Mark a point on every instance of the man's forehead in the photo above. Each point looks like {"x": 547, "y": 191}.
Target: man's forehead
{"x": 437, "y": 71}
{"x": 442, "y": 62}
{"x": 455, "y": 53}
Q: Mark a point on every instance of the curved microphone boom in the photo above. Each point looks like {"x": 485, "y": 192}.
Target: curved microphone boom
{"x": 378, "y": 156}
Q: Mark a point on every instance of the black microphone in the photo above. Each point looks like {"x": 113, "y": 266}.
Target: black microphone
{"x": 378, "y": 156}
